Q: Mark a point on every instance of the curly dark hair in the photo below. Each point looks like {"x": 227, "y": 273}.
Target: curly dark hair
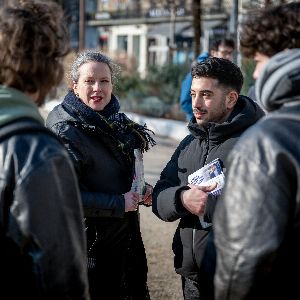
{"x": 226, "y": 72}
{"x": 33, "y": 41}
{"x": 271, "y": 30}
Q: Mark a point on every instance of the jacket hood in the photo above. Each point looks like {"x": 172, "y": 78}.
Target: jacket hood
{"x": 279, "y": 82}
{"x": 245, "y": 113}
{"x": 16, "y": 105}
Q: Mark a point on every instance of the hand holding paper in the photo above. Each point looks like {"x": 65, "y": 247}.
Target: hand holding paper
{"x": 194, "y": 199}
{"x": 209, "y": 175}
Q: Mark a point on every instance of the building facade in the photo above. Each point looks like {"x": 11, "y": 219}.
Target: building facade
{"x": 151, "y": 32}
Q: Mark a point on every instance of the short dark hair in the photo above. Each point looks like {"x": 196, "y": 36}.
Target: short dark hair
{"x": 33, "y": 41}
{"x": 225, "y": 42}
{"x": 226, "y": 72}
{"x": 272, "y": 30}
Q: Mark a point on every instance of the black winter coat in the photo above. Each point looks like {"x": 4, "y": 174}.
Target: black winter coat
{"x": 196, "y": 150}
{"x": 114, "y": 238}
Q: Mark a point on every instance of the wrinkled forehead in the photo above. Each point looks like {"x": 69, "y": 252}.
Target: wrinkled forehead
{"x": 94, "y": 69}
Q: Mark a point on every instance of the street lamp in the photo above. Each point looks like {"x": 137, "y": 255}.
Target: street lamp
{"x": 81, "y": 25}
{"x": 172, "y": 5}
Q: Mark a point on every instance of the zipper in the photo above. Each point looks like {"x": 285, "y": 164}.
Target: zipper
{"x": 205, "y": 161}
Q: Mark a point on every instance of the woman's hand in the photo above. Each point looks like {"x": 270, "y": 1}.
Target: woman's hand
{"x": 131, "y": 201}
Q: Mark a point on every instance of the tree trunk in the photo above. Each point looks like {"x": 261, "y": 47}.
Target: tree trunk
{"x": 268, "y": 3}
{"x": 81, "y": 25}
{"x": 197, "y": 26}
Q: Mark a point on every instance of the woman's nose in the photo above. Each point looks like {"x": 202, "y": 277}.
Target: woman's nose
{"x": 97, "y": 86}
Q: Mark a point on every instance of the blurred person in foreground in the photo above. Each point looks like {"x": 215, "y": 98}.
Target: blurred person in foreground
{"x": 257, "y": 223}
{"x": 42, "y": 240}
{"x": 221, "y": 115}
{"x": 102, "y": 142}
{"x": 222, "y": 48}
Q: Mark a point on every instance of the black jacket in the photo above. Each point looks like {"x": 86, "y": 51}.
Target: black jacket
{"x": 42, "y": 242}
{"x": 103, "y": 179}
{"x": 197, "y": 149}
{"x": 257, "y": 224}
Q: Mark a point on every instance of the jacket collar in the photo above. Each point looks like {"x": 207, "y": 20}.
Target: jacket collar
{"x": 245, "y": 114}
{"x": 16, "y": 105}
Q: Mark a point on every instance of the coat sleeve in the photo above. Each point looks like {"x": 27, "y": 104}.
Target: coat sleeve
{"x": 95, "y": 204}
{"x": 250, "y": 219}
{"x": 166, "y": 202}
{"x": 46, "y": 221}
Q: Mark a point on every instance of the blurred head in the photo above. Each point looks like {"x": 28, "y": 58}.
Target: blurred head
{"x": 216, "y": 85}
{"x": 93, "y": 75}
{"x": 223, "y": 49}
{"x": 270, "y": 31}
{"x": 33, "y": 41}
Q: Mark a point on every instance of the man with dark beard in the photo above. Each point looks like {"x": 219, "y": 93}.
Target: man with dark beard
{"x": 220, "y": 117}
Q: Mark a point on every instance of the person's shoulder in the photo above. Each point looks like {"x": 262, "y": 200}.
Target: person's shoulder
{"x": 255, "y": 137}
{"x": 30, "y": 146}
{"x": 186, "y": 141}
{"x": 56, "y": 115}
{"x": 204, "y": 55}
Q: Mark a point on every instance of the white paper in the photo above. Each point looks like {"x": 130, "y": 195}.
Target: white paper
{"x": 208, "y": 175}
{"x": 138, "y": 183}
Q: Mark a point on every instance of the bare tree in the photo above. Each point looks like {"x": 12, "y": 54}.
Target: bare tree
{"x": 196, "y": 6}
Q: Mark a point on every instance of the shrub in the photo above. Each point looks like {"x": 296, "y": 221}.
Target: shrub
{"x": 161, "y": 83}
{"x": 247, "y": 68}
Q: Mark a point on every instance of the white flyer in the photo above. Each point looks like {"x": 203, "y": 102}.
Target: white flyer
{"x": 138, "y": 183}
{"x": 208, "y": 175}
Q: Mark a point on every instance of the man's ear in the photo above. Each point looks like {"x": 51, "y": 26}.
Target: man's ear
{"x": 231, "y": 99}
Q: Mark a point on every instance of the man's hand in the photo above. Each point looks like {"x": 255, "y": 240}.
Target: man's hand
{"x": 194, "y": 199}
{"x": 147, "y": 198}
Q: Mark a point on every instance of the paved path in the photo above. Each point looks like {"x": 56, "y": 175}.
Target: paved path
{"x": 164, "y": 283}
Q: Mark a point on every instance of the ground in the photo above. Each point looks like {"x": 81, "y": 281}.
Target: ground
{"x": 164, "y": 283}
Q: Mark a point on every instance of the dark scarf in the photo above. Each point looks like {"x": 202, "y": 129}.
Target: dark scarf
{"x": 124, "y": 134}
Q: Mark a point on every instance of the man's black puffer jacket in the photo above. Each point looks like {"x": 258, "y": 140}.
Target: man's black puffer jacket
{"x": 197, "y": 149}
